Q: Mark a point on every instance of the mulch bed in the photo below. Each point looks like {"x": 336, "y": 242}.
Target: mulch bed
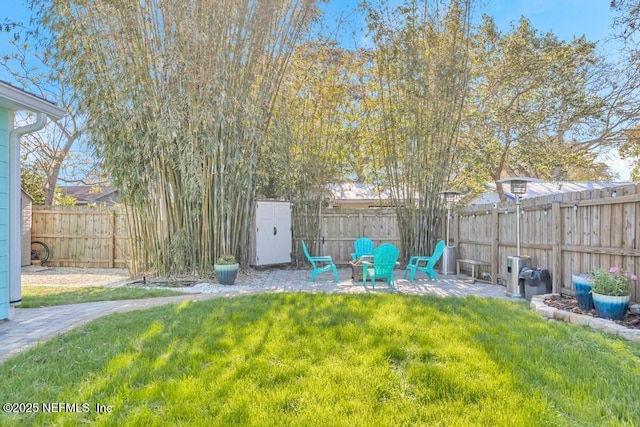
{"x": 570, "y": 304}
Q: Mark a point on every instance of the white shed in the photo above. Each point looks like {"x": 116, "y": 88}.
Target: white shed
{"x": 271, "y": 237}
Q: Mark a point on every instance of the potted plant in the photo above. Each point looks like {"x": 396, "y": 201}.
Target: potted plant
{"x": 582, "y": 288}
{"x": 226, "y": 269}
{"x": 610, "y": 291}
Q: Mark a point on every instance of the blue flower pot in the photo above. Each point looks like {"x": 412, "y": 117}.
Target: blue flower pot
{"x": 226, "y": 274}
{"x": 610, "y": 307}
{"x": 582, "y": 288}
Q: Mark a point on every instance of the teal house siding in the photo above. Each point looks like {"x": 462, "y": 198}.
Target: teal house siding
{"x": 12, "y": 100}
{"x": 4, "y": 212}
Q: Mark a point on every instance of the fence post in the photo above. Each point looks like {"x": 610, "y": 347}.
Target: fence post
{"x": 113, "y": 239}
{"x": 495, "y": 258}
{"x": 556, "y": 250}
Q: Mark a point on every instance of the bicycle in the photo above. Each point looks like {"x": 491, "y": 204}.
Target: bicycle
{"x": 39, "y": 251}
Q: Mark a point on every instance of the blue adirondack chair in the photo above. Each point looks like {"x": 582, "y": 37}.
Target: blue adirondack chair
{"x": 429, "y": 261}
{"x": 385, "y": 258}
{"x": 320, "y": 264}
{"x": 363, "y": 246}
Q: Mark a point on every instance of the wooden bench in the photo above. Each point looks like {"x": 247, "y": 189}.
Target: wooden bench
{"x": 474, "y": 268}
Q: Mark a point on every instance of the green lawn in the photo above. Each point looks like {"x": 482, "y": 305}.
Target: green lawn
{"x": 43, "y": 296}
{"x": 335, "y": 360}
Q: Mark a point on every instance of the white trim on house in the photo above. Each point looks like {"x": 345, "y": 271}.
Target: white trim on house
{"x": 15, "y": 99}
{"x": 12, "y": 100}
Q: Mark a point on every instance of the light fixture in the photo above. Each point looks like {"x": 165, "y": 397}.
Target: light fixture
{"x": 518, "y": 185}
{"x": 614, "y": 193}
{"x": 450, "y": 196}
{"x": 575, "y": 207}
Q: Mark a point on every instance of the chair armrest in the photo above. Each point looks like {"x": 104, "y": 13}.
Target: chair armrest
{"x": 322, "y": 258}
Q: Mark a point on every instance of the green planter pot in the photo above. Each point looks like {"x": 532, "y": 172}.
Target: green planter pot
{"x": 226, "y": 274}
{"x": 610, "y": 307}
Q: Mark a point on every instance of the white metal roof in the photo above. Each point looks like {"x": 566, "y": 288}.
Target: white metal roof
{"x": 539, "y": 189}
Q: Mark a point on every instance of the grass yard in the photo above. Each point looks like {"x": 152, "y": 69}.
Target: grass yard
{"x": 328, "y": 359}
{"x": 44, "y": 296}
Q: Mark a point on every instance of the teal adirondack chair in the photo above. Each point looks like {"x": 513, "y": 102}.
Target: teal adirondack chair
{"x": 430, "y": 261}
{"x": 363, "y": 246}
{"x": 385, "y": 258}
{"x": 320, "y": 264}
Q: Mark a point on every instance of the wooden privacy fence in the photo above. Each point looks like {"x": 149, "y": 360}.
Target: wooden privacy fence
{"x": 83, "y": 237}
{"x": 339, "y": 228}
{"x": 90, "y": 237}
{"x": 566, "y": 233}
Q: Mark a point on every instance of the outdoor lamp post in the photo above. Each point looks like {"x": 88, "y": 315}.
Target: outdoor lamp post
{"x": 516, "y": 263}
{"x": 449, "y": 255}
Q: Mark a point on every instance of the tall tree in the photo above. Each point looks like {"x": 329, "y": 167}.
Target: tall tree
{"x": 626, "y": 26}
{"x": 179, "y": 96}
{"x": 539, "y": 106}
{"x": 48, "y": 152}
{"x": 421, "y": 75}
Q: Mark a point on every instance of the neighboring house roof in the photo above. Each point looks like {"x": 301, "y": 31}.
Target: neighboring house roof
{"x": 538, "y": 189}
{"x": 360, "y": 193}
{"x": 84, "y": 194}
{"x": 16, "y": 99}
{"x": 357, "y": 191}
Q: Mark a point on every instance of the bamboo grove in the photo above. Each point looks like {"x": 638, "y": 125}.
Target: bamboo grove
{"x": 422, "y": 73}
{"x": 197, "y": 107}
{"x": 179, "y": 96}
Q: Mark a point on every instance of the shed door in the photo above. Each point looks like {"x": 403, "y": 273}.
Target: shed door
{"x": 273, "y": 233}
{"x": 282, "y": 232}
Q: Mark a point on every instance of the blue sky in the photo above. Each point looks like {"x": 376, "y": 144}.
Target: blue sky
{"x": 565, "y": 18}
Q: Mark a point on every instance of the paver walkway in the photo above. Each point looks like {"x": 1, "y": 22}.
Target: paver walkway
{"x": 32, "y": 325}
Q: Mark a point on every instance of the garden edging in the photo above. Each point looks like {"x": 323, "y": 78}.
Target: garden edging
{"x": 609, "y": 326}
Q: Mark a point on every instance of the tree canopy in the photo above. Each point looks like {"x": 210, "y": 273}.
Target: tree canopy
{"x": 197, "y": 107}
